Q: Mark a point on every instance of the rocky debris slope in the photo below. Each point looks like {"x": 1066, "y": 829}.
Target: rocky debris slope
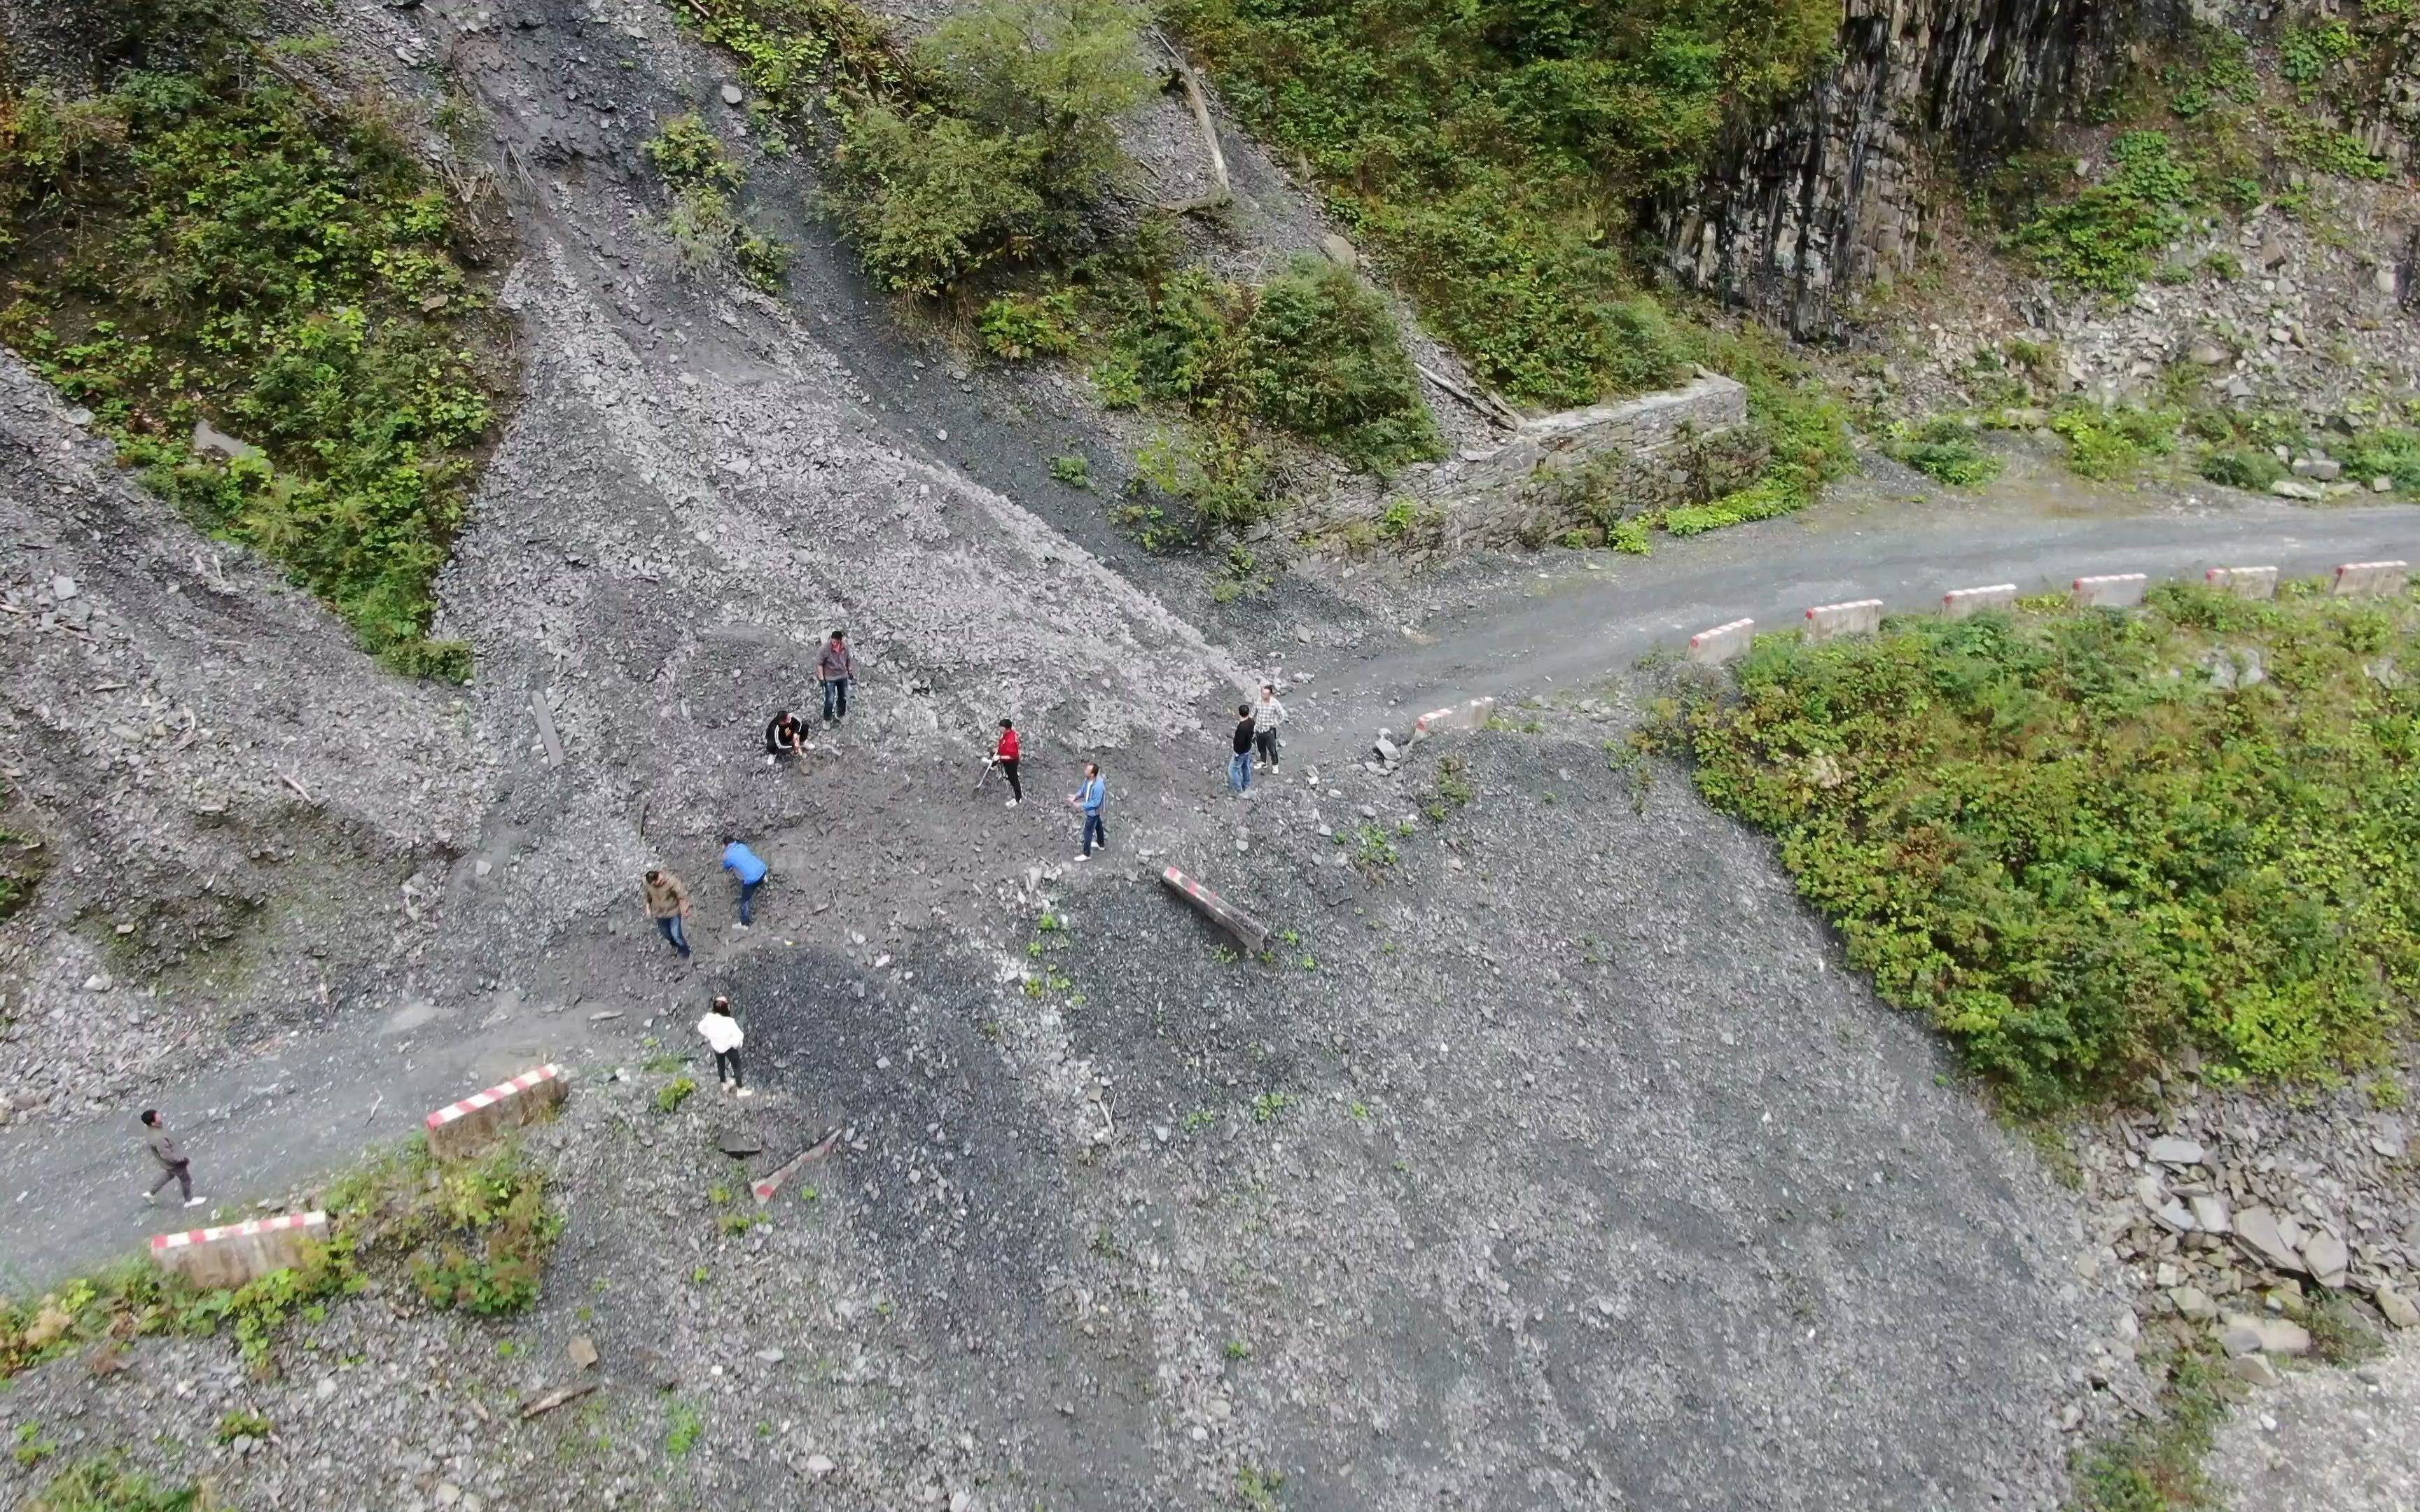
{"x": 243, "y": 818}
{"x": 1553, "y": 1162}
{"x": 2328, "y": 1440}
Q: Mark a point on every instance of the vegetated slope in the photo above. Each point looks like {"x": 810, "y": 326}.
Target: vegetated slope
{"x": 981, "y": 171}
{"x": 1496, "y": 152}
{"x": 2082, "y": 842}
{"x": 216, "y": 235}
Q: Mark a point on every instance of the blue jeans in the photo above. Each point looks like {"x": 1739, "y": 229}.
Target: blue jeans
{"x": 836, "y": 698}
{"x": 748, "y": 899}
{"x": 1239, "y": 771}
{"x": 1094, "y": 833}
{"x": 673, "y": 933}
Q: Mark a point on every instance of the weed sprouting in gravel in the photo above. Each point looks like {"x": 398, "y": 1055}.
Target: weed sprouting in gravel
{"x": 670, "y": 1096}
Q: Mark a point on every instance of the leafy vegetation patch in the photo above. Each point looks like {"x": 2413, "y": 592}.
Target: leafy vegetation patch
{"x": 472, "y": 1235}
{"x": 2080, "y": 841}
{"x": 218, "y": 242}
{"x": 108, "y": 1483}
{"x": 2108, "y": 236}
{"x": 702, "y": 222}
{"x": 1945, "y": 450}
{"x": 2157, "y": 1467}
{"x": 1494, "y": 151}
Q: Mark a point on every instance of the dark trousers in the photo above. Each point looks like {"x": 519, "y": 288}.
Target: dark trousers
{"x": 727, "y": 1067}
{"x": 748, "y": 899}
{"x": 1008, "y": 769}
{"x": 836, "y": 698}
{"x": 1265, "y": 742}
{"x": 182, "y": 1174}
{"x": 1094, "y": 832}
{"x": 673, "y": 933}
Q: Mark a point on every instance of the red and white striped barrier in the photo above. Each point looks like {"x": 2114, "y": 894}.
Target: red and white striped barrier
{"x": 463, "y": 1127}
{"x": 2116, "y": 590}
{"x": 1472, "y": 716}
{"x": 1966, "y": 603}
{"x": 1828, "y": 621}
{"x": 764, "y": 1191}
{"x": 2243, "y": 582}
{"x": 235, "y": 1254}
{"x": 1249, "y": 930}
{"x": 1723, "y": 642}
{"x": 2363, "y": 580}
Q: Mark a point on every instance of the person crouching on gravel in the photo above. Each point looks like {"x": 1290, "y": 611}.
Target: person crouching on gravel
{"x": 1239, "y": 766}
{"x": 723, "y": 1038}
{"x": 835, "y": 668}
{"x": 786, "y": 735}
{"x": 1004, "y": 757}
{"x": 667, "y": 903}
{"x": 1266, "y": 716}
{"x": 1090, "y": 797}
{"x": 173, "y": 1166}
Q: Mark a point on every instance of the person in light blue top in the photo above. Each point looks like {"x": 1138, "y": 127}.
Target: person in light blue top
{"x": 1090, "y": 797}
{"x": 749, "y": 869}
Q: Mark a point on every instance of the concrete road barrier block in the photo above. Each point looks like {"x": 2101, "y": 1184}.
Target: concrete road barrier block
{"x": 2243, "y": 582}
{"x": 239, "y": 1253}
{"x": 2116, "y": 590}
{"x": 1829, "y": 622}
{"x": 1965, "y": 603}
{"x": 1723, "y": 642}
{"x": 1249, "y": 930}
{"x": 1473, "y": 715}
{"x": 466, "y": 1127}
{"x": 2371, "y": 578}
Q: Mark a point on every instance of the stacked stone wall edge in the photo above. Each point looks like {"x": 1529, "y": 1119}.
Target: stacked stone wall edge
{"x": 461, "y": 1129}
{"x": 234, "y": 1255}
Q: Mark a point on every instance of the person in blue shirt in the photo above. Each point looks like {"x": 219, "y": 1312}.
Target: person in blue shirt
{"x": 749, "y": 869}
{"x": 1090, "y": 797}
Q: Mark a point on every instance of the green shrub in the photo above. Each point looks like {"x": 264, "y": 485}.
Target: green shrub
{"x": 492, "y": 1229}
{"x": 1944, "y": 449}
{"x": 1017, "y": 326}
{"x": 2077, "y": 861}
{"x": 670, "y": 1096}
{"x": 2305, "y": 53}
{"x": 701, "y": 220}
{"x": 1326, "y": 363}
{"x": 1019, "y": 142}
{"x": 2111, "y": 441}
{"x": 2387, "y": 453}
{"x": 204, "y": 239}
{"x": 2241, "y": 467}
{"x": 2107, "y": 237}
{"x": 2324, "y": 150}
{"x": 110, "y": 1483}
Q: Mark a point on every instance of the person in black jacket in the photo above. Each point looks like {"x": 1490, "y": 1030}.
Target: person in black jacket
{"x": 785, "y": 735}
{"x": 1240, "y": 768}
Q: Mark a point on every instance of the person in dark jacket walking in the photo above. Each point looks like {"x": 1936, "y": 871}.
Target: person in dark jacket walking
{"x": 170, "y": 1155}
{"x": 1004, "y": 757}
{"x": 1239, "y": 766}
{"x": 835, "y": 668}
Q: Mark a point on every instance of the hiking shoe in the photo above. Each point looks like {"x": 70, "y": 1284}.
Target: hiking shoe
{"x": 1012, "y": 803}
{"x": 745, "y": 1092}
{"x": 1084, "y": 856}
{"x": 195, "y": 1202}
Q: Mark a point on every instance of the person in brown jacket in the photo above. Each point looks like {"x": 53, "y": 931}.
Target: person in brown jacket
{"x": 173, "y": 1166}
{"x": 668, "y": 906}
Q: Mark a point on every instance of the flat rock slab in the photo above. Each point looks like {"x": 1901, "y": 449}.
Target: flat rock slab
{"x": 2169, "y": 1150}
{"x": 739, "y": 1143}
{"x": 2257, "y": 1230}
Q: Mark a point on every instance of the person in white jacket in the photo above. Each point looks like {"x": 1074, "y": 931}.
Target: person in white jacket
{"x": 1266, "y": 716}
{"x": 723, "y": 1038}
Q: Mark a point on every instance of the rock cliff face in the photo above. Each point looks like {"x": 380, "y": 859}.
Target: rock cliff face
{"x": 1802, "y": 210}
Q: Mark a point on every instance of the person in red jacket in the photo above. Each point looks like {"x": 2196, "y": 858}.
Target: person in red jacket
{"x": 1005, "y": 759}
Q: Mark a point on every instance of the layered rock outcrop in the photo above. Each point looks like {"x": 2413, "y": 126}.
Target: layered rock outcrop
{"x": 1803, "y": 209}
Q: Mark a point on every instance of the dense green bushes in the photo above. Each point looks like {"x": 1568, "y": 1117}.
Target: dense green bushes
{"x": 1495, "y": 150}
{"x": 2108, "y": 236}
{"x": 1014, "y": 148}
{"x": 1943, "y": 449}
{"x": 218, "y": 244}
{"x": 2078, "y": 848}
